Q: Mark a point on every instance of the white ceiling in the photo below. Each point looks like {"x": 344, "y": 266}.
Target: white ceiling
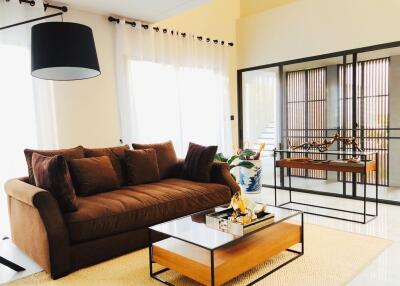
{"x": 145, "y": 10}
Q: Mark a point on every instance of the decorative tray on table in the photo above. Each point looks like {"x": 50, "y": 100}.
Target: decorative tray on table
{"x": 228, "y": 221}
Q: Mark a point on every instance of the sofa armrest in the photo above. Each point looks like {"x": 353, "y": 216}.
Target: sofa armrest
{"x": 220, "y": 173}
{"x": 38, "y": 227}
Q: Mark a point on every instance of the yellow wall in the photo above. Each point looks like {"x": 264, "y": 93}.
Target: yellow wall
{"x": 312, "y": 27}
{"x": 215, "y": 19}
{"x": 250, "y": 7}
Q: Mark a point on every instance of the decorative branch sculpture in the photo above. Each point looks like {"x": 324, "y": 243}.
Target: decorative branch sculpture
{"x": 326, "y": 144}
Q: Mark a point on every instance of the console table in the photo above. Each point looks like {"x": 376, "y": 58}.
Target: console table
{"x": 368, "y": 163}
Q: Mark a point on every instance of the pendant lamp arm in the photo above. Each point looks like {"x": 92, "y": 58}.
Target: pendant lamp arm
{"x": 32, "y": 20}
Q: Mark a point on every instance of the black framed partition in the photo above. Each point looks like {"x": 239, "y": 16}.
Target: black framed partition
{"x": 352, "y": 92}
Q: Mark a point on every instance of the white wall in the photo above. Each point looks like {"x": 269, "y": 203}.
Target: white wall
{"x": 87, "y": 110}
{"x": 312, "y": 27}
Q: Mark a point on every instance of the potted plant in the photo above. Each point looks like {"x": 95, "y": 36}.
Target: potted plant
{"x": 233, "y": 162}
{"x": 249, "y": 164}
{"x": 250, "y": 179}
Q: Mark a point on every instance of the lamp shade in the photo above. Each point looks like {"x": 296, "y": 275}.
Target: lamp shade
{"x": 63, "y": 51}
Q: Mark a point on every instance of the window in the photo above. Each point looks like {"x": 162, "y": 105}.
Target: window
{"x": 183, "y": 104}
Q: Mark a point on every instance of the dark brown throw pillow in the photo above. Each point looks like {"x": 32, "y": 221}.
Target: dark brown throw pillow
{"x": 93, "y": 175}
{"x": 141, "y": 166}
{"x": 198, "y": 161}
{"x": 72, "y": 153}
{"x": 166, "y": 157}
{"x": 52, "y": 174}
{"x": 117, "y": 156}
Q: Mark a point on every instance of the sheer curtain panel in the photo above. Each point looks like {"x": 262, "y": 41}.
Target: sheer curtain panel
{"x": 26, "y": 104}
{"x": 172, "y": 87}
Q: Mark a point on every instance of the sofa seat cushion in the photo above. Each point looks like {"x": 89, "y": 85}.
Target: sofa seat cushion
{"x": 133, "y": 207}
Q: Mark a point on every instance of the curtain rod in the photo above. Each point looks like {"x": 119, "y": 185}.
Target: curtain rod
{"x": 45, "y": 5}
{"x": 146, "y": 26}
{"x": 32, "y": 20}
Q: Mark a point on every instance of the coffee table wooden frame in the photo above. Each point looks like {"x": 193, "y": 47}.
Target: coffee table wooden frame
{"x": 207, "y": 272}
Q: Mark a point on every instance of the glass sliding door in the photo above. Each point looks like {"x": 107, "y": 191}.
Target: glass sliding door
{"x": 354, "y": 93}
{"x": 260, "y": 123}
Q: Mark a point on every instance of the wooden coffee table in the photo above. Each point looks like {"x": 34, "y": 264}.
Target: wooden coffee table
{"x": 213, "y": 257}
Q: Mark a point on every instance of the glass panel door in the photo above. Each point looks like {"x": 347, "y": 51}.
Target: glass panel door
{"x": 260, "y": 124}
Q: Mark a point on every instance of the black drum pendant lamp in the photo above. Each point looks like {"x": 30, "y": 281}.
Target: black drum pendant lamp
{"x": 63, "y": 51}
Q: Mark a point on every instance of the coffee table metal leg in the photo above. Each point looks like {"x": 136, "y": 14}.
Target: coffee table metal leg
{"x": 11, "y": 265}
{"x": 275, "y": 199}
{"x": 302, "y": 233}
{"x": 212, "y": 269}
{"x": 150, "y": 254}
{"x": 154, "y": 275}
{"x": 376, "y": 183}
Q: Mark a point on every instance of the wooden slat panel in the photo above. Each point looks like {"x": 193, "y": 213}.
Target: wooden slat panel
{"x": 306, "y": 90}
{"x": 372, "y": 111}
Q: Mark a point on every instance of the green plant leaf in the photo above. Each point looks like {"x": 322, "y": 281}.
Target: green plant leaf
{"x": 233, "y": 158}
{"x": 220, "y": 157}
{"x": 246, "y": 154}
{"x": 232, "y": 166}
{"x": 246, "y": 164}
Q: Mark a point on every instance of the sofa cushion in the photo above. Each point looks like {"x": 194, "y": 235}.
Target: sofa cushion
{"x": 198, "y": 161}
{"x": 141, "y": 166}
{"x": 93, "y": 175}
{"x": 68, "y": 154}
{"x": 166, "y": 157}
{"x": 140, "y": 206}
{"x": 116, "y": 155}
{"x": 52, "y": 174}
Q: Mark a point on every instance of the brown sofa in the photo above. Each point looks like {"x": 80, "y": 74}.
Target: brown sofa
{"x": 108, "y": 224}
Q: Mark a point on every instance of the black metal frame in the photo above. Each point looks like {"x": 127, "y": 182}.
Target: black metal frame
{"x": 280, "y": 65}
{"x": 365, "y": 214}
{"x": 300, "y": 253}
{"x": 11, "y": 264}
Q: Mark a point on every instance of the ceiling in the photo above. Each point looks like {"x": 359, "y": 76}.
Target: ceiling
{"x": 145, "y": 10}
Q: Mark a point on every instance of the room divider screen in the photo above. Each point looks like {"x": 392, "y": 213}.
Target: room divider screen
{"x": 355, "y": 93}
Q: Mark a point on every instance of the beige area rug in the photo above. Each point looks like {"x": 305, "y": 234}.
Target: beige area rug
{"x": 331, "y": 257}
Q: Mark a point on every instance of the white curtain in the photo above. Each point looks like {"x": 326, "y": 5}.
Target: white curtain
{"x": 172, "y": 87}
{"x": 26, "y": 104}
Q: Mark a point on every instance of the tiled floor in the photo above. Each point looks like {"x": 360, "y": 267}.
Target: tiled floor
{"x": 383, "y": 271}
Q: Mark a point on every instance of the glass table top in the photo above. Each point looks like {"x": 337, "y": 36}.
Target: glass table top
{"x": 193, "y": 229}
